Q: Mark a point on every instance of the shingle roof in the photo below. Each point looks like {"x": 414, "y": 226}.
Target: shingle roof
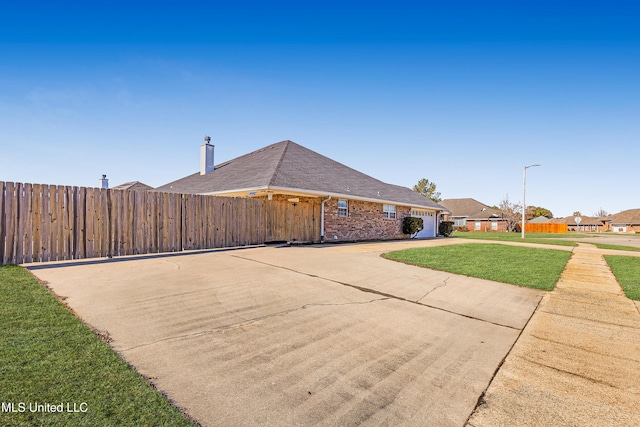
{"x": 539, "y": 220}
{"x": 628, "y": 217}
{"x": 466, "y": 208}
{"x": 133, "y": 185}
{"x": 287, "y": 165}
{"x": 586, "y": 220}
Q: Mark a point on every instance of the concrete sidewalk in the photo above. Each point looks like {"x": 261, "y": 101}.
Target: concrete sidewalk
{"x": 578, "y": 360}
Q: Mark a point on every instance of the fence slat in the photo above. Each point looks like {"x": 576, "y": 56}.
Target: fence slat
{"x": 28, "y": 223}
{"x": 2, "y": 223}
{"x": 9, "y": 221}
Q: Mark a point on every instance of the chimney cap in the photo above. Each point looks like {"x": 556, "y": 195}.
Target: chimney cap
{"x": 104, "y": 176}
{"x": 207, "y": 139}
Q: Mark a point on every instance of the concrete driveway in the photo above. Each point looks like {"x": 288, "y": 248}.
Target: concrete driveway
{"x": 317, "y": 335}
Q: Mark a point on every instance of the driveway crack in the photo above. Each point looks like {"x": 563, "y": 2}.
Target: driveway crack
{"x": 376, "y": 292}
{"x": 439, "y": 286}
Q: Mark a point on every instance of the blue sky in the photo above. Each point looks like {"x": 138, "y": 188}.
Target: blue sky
{"x": 462, "y": 93}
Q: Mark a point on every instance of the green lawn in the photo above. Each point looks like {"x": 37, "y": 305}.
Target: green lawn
{"x": 48, "y": 356}
{"x": 522, "y": 266}
{"x": 543, "y": 238}
{"x": 627, "y": 272}
{"x": 617, "y": 247}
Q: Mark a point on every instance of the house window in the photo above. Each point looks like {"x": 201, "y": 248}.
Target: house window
{"x": 343, "y": 207}
{"x": 460, "y": 223}
{"x": 477, "y": 226}
{"x": 494, "y": 225}
{"x": 389, "y": 211}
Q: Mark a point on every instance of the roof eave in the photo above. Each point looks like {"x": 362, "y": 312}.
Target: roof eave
{"x": 289, "y": 190}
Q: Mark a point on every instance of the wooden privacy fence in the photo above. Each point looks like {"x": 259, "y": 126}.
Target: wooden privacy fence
{"x": 51, "y": 223}
{"x": 546, "y": 228}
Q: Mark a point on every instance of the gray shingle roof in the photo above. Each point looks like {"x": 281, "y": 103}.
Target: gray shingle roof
{"x": 467, "y": 207}
{"x": 133, "y": 185}
{"x": 287, "y": 165}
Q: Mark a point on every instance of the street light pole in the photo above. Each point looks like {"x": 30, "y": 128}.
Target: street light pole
{"x": 524, "y": 192}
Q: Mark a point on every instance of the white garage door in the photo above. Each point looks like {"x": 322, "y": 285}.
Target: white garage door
{"x": 429, "y": 220}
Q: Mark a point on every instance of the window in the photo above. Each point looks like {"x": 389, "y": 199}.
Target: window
{"x": 477, "y": 226}
{"x": 418, "y": 214}
{"x": 343, "y": 207}
{"x": 389, "y": 211}
{"x": 460, "y": 223}
{"x": 494, "y": 225}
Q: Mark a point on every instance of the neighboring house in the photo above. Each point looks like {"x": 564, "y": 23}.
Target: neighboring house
{"x": 539, "y": 220}
{"x": 134, "y": 185}
{"x": 474, "y": 216}
{"x": 353, "y": 206}
{"x": 587, "y": 223}
{"x": 624, "y": 222}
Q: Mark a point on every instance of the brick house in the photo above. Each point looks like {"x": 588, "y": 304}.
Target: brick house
{"x": 587, "y": 223}
{"x": 352, "y": 206}
{"x": 624, "y": 222}
{"x": 473, "y": 215}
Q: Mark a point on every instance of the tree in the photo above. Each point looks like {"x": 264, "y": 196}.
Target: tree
{"x": 512, "y": 212}
{"x": 536, "y": 211}
{"x": 427, "y": 189}
{"x": 601, "y": 213}
{"x": 577, "y": 213}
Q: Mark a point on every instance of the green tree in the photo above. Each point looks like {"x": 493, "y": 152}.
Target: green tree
{"x": 427, "y": 189}
{"x": 536, "y": 211}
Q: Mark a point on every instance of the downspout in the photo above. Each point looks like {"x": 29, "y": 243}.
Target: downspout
{"x": 322, "y": 220}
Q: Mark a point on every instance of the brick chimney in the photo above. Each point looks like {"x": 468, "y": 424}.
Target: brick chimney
{"x": 206, "y": 156}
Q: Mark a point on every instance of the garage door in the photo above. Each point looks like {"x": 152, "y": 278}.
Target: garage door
{"x": 429, "y": 219}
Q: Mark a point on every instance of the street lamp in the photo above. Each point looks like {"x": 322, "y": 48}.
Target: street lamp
{"x": 524, "y": 192}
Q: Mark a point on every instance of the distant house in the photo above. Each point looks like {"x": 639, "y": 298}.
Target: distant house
{"x": 134, "y": 185}
{"x": 624, "y": 222}
{"x": 353, "y": 206}
{"x": 587, "y": 223}
{"x": 473, "y": 215}
{"x": 539, "y": 220}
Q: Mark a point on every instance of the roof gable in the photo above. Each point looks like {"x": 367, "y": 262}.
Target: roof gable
{"x": 287, "y": 165}
{"x": 466, "y": 207}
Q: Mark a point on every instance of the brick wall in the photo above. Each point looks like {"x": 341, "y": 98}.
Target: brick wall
{"x": 365, "y": 222}
{"x": 486, "y": 225}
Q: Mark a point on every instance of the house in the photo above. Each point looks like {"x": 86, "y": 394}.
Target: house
{"x": 587, "y": 223}
{"x": 539, "y": 220}
{"x": 473, "y": 215}
{"x": 353, "y": 206}
{"x": 133, "y": 185}
{"x": 624, "y": 222}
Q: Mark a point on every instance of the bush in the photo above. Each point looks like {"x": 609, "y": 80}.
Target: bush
{"x": 460, "y": 228}
{"x": 445, "y": 228}
{"x": 411, "y": 225}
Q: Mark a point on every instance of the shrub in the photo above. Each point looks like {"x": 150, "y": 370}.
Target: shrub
{"x": 445, "y": 228}
{"x": 411, "y": 225}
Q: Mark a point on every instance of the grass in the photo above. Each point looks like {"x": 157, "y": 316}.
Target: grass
{"x": 522, "y": 266}
{"x": 542, "y": 238}
{"x": 49, "y": 356}
{"x": 617, "y": 247}
{"x": 627, "y": 272}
